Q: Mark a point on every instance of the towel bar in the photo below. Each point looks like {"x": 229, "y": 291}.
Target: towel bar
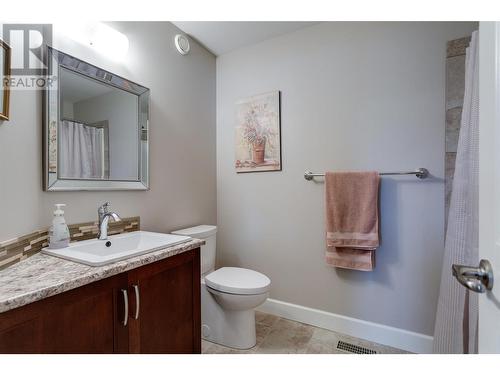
{"x": 419, "y": 173}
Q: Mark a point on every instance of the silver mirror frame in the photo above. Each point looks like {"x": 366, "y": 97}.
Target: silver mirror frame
{"x": 58, "y": 60}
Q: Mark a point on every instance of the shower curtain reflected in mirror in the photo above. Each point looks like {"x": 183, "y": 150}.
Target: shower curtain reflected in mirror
{"x": 455, "y": 329}
{"x": 83, "y": 151}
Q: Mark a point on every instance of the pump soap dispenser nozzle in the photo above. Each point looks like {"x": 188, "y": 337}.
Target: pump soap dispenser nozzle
{"x": 59, "y": 211}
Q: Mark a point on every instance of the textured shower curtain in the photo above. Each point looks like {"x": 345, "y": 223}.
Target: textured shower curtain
{"x": 81, "y": 151}
{"x": 455, "y": 330}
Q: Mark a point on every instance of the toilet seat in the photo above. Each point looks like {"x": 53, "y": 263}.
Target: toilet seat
{"x": 236, "y": 280}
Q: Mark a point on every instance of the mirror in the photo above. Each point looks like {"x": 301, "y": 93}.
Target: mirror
{"x": 4, "y": 77}
{"x": 96, "y": 128}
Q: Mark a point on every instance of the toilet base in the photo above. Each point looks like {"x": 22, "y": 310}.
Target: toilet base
{"x": 224, "y": 326}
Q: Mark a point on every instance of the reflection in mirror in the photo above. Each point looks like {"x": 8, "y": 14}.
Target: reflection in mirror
{"x": 96, "y": 128}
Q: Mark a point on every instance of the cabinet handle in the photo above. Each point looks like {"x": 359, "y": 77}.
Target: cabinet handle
{"x": 125, "y": 303}
{"x": 137, "y": 301}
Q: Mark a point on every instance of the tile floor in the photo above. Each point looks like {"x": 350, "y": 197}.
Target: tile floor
{"x": 276, "y": 335}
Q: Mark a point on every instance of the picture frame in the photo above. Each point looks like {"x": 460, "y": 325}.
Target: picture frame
{"x": 258, "y": 133}
{"x": 5, "y": 65}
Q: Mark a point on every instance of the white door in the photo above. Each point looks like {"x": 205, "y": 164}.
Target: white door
{"x": 489, "y": 182}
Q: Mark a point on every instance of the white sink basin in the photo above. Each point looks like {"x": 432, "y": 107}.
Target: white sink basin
{"x": 123, "y": 246}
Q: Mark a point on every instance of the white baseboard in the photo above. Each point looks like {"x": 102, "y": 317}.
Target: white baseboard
{"x": 379, "y": 333}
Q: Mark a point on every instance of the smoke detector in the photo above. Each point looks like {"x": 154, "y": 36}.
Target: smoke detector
{"x": 182, "y": 44}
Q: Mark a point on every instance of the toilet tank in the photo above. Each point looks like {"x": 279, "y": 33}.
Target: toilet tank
{"x": 207, "y": 251}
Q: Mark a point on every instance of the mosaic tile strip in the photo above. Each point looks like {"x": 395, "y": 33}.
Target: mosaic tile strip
{"x": 457, "y": 47}
{"x": 20, "y": 248}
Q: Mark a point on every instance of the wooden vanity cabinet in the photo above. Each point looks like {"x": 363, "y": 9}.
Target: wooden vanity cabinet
{"x": 162, "y": 300}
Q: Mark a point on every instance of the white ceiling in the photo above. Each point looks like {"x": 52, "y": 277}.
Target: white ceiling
{"x": 223, "y": 37}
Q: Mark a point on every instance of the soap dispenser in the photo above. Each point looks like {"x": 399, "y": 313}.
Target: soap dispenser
{"x": 59, "y": 232}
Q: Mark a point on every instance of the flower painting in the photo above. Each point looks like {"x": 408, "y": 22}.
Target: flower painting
{"x": 258, "y": 143}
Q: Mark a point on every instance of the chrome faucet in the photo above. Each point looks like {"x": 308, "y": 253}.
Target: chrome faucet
{"x": 104, "y": 216}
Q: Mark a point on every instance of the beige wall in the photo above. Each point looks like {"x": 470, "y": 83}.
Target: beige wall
{"x": 354, "y": 96}
{"x": 183, "y": 183}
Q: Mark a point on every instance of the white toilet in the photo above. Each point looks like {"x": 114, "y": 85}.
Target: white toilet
{"x": 229, "y": 295}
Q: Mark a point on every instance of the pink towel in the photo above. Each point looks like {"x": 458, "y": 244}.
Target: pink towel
{"x": 351, "y": 200}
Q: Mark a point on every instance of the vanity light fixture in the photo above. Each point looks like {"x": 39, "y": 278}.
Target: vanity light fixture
{"x": 182, "y": 44}
{"x": 97, "y": 35}
{"x": 109, "y": 41}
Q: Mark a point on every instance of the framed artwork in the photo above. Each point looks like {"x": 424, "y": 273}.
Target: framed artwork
{"x": 258, "y": 133}
{"x": 4, "y": 76}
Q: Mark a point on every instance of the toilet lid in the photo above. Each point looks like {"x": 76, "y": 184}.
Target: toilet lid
{"x": 238, "y": 281}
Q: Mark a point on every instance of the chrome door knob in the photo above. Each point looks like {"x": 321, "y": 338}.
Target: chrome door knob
{"x": 478, "y": 279}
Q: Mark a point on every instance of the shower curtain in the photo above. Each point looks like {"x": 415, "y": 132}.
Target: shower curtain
{"x": 455, "y": 330}
{"x": 81, "y": 151}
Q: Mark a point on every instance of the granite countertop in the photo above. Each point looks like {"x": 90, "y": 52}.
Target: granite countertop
{"x": 41, "y": 275}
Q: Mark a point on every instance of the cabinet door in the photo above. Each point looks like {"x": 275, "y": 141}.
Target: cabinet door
{"x": 87, "y": 319}
{"x": 21, "y": 332}
{"x": 168, "y": 315}
{"x": 83, "y": 320}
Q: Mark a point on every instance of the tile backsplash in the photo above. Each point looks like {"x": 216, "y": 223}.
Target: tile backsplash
{"x": 19, "y": 248}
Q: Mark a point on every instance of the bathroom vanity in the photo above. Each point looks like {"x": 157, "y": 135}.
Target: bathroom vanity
{"x": 133, "y": 293}
{"x": 146, "y": 304}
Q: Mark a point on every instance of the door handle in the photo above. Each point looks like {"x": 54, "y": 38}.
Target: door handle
{"x": 478, "y": 279}
{"x": 125, "y": 310}
{"x": 137, "y": 301}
